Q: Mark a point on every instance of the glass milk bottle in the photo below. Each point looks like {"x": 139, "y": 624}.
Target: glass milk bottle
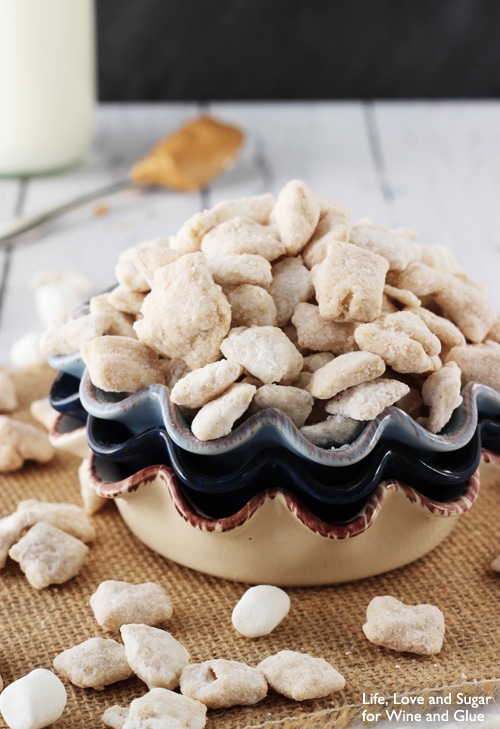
{"x": 47, "y": 84}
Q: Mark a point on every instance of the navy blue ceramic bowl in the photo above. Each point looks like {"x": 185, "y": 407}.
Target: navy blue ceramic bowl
{"x": 322, "y": 489}
{"x": 64, "y": 396}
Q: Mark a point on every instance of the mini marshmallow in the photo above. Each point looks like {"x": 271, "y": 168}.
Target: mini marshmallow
{"x": 33, "y": 701}
{"x": 59, "y": 293}
{"x": 25, "y": 351}
{"x": 260, "y": 610}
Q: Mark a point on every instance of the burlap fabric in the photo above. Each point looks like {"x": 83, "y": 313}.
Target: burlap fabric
{"x": 327, "y": 621}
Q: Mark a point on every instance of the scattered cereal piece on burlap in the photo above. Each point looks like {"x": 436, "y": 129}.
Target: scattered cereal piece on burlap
{"x": 115, "y": 716}
{"x": 186, "y": 315}
{"x": 164, "y": 709}
{"x": 48, "y": 556}
{"x": 92, "y": 501}
{"x": 217, "y": 417}
{"x": 265, "y": 352}
{"x": 411, "y": 628}
{"x": 121, "y": 364}
{"x": 70, "y": 518}
{"x": 367, "y": 400}
{"x": 220, "y": 683}
{"x": 11, "y": 528}
{"x": 8, "y": 394}
{"x": 349, "y": 283}
{"x": 495, "y": 565}
{"x": 441, "y": 393}
{"x": 300, "y": 676}
{"x": 346, "y": 370}
{"x": 95, "y": 663}
{"x": 154, "y": 655}
{"x": 20, "y": 442}
{"x": 116, "y": 602}
{"x": 43, "y": 412}
{"x": 196, "y": 388}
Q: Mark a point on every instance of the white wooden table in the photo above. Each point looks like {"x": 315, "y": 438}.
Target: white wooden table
{"x": 434, "y": 167}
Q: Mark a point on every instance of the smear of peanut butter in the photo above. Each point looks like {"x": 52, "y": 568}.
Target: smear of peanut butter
{"x": 191, "y": 157}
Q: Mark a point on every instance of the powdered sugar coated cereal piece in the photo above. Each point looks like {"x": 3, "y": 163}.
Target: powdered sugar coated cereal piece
{"x": 320, "y": 334}
{"x": 67, "y": 333}
{"x": 296, "y": 214}
{"x": 260, "y": 610}
{"x": 121, "y": 364}
{"x": 478, "y": 363}
{"x": 126, "y": 270}
{"x": 292, "y": 400}
{"x": 43, "y": 412}
{"x": 411, "y": 628}
{"x": 290, "y": 285}
{"x": 161, "y": 708}
{"x": 441, "y": 392}
{"x": 242, "y": 235}
{"x": 33, "y": 701}
{"x": 92, "y": 501}
{"x": 335, "y": 430}
{"x": 11, "y": 528}
{"x": 265, "y": 352}
{"x": 393, "y": 245}
{"x": 125, "y": 299}
{"x": 186, "y": 315}
{"x": 20, "y": 441}
{"x": 467, "y": 306}
{"x": 417, "y": 277}
{"x": 115, "y": 716}
{"x": 8, "y": 394}
{"x": 196, "y": 388}
{"x": 116, "y": 602}
{"x": 300, "y": 676}
{"x": 402, "y": 296}
{"x": 217, "y": 417}
{"x": 71, "y": 518}
{"x": 154, "y": 655}
{"x": 190, "y": 235}
{"x": 349, "y": 283}
{"x": 48, "y": 556}
{"x": 119, "y": 322}
{"x": 313, "y": 362}
{"x": 95, "y": 663}
{"x": 402, "y": 339}
{"x": 367, "y": 400}
{"x": 236, "y": 269}
{"x": 447, "y": 332}
{"x": 345, "y": 371}
{"x": 220, "y": 683}
{"x": 251, "y": 306}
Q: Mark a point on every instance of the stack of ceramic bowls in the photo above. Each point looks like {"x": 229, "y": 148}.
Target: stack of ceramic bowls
{"x": 263, "y": 504}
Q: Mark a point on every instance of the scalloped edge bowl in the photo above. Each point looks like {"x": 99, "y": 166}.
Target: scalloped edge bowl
{"x": 268, "y": 428}
{"x": 396, "y": 527}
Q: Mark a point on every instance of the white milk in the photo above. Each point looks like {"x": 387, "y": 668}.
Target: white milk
{"x": 47, "y": 84}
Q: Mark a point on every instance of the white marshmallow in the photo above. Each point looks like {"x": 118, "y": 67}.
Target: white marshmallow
{"x": 25, "y": 351}
{"x": 33, "y": 701}
{"x": 260, "y": 609}
{"x": 59, "y": 293}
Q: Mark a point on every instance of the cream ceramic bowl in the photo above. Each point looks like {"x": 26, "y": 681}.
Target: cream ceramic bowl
{"x": 274, "y": 539}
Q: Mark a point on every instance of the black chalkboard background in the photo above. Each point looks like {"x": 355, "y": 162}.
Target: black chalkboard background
{"x": 195, "y": 50}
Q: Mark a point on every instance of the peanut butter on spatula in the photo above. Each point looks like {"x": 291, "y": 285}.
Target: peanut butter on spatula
{"x": 191, "y": 157}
